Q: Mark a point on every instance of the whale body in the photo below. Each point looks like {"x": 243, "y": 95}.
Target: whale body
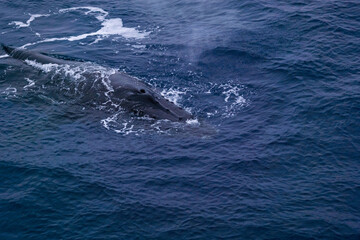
{"x": 132, "y": 94}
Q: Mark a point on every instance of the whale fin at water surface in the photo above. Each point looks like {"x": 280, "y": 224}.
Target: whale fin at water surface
{"x": 130, "y": 93}
{"x": 23, "y": 54}
{"x": 7, "y": 49}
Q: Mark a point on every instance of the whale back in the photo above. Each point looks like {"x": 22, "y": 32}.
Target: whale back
{"x": 23, "y": 54}
{"x": 131, "y": 93}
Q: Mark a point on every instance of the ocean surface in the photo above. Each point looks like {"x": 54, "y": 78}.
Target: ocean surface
{"x": 273, "y": 151}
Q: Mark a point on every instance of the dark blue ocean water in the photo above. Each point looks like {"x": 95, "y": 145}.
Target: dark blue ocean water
{"x": 274, "y": 152}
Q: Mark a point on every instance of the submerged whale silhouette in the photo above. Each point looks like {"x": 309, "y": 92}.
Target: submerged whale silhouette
{"x": 134, "y": 95}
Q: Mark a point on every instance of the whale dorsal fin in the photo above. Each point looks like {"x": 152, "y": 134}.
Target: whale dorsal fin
{"x": 7, "y": 49}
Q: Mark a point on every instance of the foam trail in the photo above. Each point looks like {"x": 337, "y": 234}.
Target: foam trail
{"x": 100, "y": 17}
{"x": 28, "y": 22}
{"x": 10, "y": 90}
{"x": 112, "y": 26}
{"x": 31, "y": 83}
{"x": 4, "y": 56}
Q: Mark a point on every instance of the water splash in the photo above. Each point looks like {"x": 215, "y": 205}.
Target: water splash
{"x": 173, "y": 95}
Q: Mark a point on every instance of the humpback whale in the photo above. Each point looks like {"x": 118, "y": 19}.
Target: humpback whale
{"x": 134, "y": 95}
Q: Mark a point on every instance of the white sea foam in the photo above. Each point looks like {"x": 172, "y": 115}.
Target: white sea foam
{"x": 9, "y": 92}
{"x": 234, "y": 99}
{"x": 100, "y": 16}
{"x": 240, "y": 100}
{"x": 4, "y": 56}
{"x": 112, "y": 26}
{"x": 43, "y": 67}
{"x": 112, "y": 123}
{"x": 126, "y": 129}
{"x": 75, "y": 72}
{"x": 106, "y": 122}
{"x": 30, "y": 83}
{"x": 172, "y": 95}
{"x": 233, "y": 96}
{"x": 28, "y": 22}
{"x": 194, "y": 122}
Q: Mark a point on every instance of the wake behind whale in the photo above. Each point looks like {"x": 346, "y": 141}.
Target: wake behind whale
{"x": 108, "y": 87}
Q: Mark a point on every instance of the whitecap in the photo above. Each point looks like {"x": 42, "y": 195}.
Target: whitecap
{"x": 194, "y": 122}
